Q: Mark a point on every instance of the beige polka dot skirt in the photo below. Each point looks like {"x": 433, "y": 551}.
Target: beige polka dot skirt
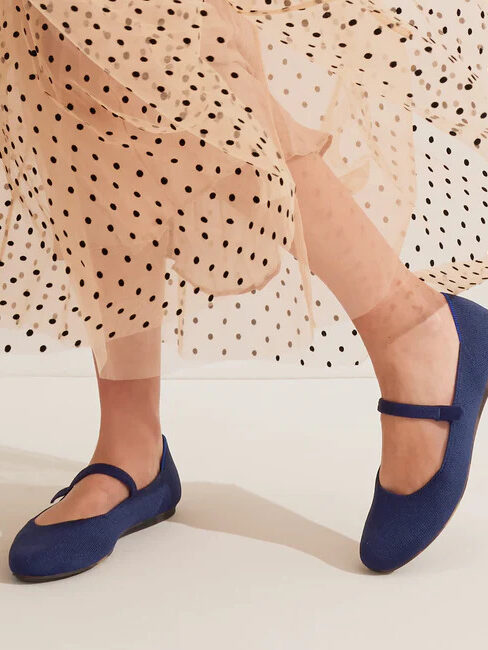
{"x": 144, "y": 180}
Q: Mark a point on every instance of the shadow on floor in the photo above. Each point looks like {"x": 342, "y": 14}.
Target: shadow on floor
{"x": 228, "y": 508}
{"x": 29, "y": 480}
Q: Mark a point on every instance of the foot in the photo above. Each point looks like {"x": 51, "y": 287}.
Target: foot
{"x": 96, "y": 494}
{"x": 417, "y": 365}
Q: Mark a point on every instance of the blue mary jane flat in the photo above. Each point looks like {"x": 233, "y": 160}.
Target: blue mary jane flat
{"x": 49, "y": 552}
{"x": 399, "y": 527}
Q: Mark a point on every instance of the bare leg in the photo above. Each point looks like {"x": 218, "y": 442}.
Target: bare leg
{"x": 405, "y": 325}
{"x": 129, "y": 436}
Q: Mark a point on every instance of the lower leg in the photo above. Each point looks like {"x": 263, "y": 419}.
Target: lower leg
{"x": 129, "y": 435}
{"x": 130, "y": 427}
{"x": 404, "y": 323}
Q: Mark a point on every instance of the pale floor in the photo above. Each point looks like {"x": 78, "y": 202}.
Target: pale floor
{"x": 263, "y": 552}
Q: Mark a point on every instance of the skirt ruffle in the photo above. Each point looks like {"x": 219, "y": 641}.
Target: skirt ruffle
{"x": 145, "y": 149}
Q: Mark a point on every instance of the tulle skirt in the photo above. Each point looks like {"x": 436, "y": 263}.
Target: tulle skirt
{"x": 145, "y": 188}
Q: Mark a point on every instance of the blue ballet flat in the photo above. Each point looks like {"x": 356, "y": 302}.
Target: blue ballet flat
{"x": 49, "y": 552}
{"x": 399, "y": 527}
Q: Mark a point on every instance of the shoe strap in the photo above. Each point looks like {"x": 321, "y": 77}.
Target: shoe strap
{"x": 441, "y": 412}
{"x": 100, "y": 468}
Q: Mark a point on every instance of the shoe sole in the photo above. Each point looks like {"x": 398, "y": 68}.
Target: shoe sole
{"x": 485, "y": 396}
{"x": 59, "y": 576}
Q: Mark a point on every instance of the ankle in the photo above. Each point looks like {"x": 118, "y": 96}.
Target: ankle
{"x": 406, "y": 364}
{"x": 409, "y": 336}
{"x": 410, "y": 312}
{"x": 137, "y": 450}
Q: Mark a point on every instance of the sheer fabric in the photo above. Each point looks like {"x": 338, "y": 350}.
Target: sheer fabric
{"x": 146, "y": 188}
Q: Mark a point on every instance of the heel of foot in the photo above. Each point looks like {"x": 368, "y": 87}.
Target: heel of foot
{"x": 151, "y": 522}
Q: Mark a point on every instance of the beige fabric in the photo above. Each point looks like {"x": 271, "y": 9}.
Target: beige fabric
{"x": 145, "y": 147}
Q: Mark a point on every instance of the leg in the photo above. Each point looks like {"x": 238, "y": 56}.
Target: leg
{"x": 405, "y": 325}
{"x": 130, "y": 431}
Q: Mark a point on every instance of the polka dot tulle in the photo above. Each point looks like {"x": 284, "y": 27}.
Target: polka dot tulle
{"x": 144, "y": 178}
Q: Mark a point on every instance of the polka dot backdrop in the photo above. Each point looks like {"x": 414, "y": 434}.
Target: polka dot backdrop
{"x": 144, "y": 149}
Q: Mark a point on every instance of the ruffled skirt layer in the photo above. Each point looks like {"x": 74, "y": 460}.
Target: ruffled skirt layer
{"x": 145, "y": 147}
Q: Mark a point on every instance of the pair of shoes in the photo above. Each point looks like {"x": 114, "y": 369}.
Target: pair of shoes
{"x": 399, "y": 527}
{"x": 49, "y": 552}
